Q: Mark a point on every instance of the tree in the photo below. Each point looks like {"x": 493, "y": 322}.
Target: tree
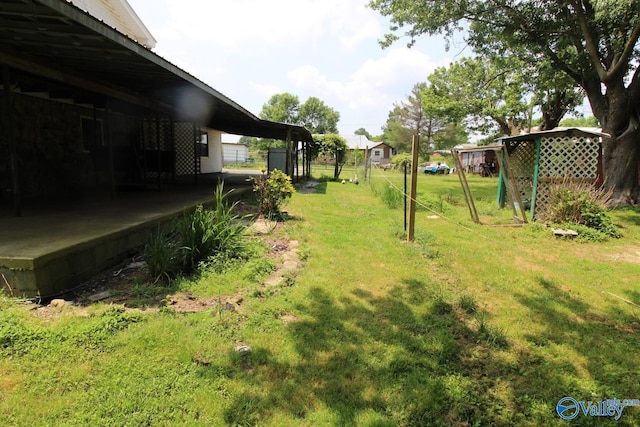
{"x": 395, "y": 133}
{"x": 334, "y": 145}
{"x": 592, "y": 42}
{"x": 408, "y": 118}
{"x": 450, "y": 136}
{"x": 589, "y": 122}
{"x": 363, "y": 132}
{"x": 497, "y": 95}
{"x": 282, "y": 108}
{"x": 317, "y": 117}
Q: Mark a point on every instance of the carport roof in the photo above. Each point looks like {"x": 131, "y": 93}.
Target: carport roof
{"x": 75, "y": 52}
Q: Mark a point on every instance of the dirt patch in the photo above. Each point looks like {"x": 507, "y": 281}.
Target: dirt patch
{"x": 629, "y": 254}
{"x": 127, "y": 283}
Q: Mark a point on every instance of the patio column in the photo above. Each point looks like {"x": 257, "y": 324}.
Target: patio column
{"x": 112, "y": 173}
{"x": 9, "y": 136}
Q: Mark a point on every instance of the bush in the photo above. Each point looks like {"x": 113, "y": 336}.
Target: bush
{"x": 272, "y": 191}
{"x": 580, "y": 203}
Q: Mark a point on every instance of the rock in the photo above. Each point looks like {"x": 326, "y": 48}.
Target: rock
{"x": 564, "y": 233}
{"x": 100, "y": 296}
{"x": 60, "y": 304}
{"x": 243, "y": 349}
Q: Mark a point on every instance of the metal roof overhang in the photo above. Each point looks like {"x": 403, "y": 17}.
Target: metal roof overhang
{"x": 570, "y": 132}
{"x": 81, "y": 57}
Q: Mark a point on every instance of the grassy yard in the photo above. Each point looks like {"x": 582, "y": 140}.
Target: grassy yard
{"x": 468, "y": 325}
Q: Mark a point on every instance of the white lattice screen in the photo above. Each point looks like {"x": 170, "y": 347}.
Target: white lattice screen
{"x": 561, "y": 157}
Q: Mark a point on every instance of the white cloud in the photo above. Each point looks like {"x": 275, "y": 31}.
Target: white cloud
{"x": 374, "y": 84}
{"x": 248, "y": 24}
{"x": 264, "y": 90}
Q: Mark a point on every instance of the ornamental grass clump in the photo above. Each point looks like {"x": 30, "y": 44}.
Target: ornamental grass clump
{"x": 580, "y": 203}
{"x": 199, "y": 236}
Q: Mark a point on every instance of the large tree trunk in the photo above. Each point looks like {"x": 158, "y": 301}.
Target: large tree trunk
{"x": 617, "y": 111}
{"x": 621, "y": 163}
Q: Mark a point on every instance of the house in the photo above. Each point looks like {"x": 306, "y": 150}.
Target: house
{"x": 120, "y": 15}
{"x": 480, "y": 160}
{"x": 377, "y": 153}
{"x": 380, "y": 155}
{"x": 234, "y": 153}
{"x": 88, "y": 110}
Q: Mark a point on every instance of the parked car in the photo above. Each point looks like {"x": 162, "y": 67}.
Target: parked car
{"x": 435, "y": 168}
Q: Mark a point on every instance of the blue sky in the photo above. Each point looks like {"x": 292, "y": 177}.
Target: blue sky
{"x": 250, "y": 50}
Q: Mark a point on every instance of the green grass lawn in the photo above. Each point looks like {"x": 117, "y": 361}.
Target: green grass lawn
{"x": 467, "y": 325}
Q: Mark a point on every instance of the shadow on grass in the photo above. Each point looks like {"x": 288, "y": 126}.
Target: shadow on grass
{"x": 411, "y": 358}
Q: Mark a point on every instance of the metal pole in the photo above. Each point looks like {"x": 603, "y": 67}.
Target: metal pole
{"x": 405, "y": 196}
{"x": 414, "y": 184}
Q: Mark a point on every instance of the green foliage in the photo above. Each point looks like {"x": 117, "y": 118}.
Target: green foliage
{"x": 204, "y": 233}
{"x": 391, "y": 196}
{"x": 19, "y": 335}
{"x": 201, "y": 235}
{"x": 468, "y": 303}
{"x": 312, "y": 114}
{"x": 589, "y": 121}
{"x": 334, "y": 145}
{"x": 273, "y": 192}
{"x": 401, "y": 159}
{"x": 581, "y": 204}
{"x": 317, "y": 117}
{"x": 159, "y": 253}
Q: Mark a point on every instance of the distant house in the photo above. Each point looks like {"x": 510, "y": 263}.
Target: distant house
{"x": 380, "y": 155}
{"x": 234, "y": 153}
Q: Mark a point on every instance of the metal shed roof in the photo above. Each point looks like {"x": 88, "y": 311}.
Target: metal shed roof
{"x": 54, "y": 43}
{"x": 560, "y": 131}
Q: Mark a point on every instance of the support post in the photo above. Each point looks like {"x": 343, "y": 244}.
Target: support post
{"x": 112, "y": 173}
{"x": 414, "y": 184}
{"x": 9, "y": 135}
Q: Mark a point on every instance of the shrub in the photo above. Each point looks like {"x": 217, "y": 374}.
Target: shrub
{"x": 580, "y": 203}
{"x": 272, "y": 191}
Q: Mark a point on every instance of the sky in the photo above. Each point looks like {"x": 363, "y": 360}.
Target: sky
{"x": 249, "y": 50}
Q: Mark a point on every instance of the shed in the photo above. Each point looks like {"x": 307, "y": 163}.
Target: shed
{"x": 479, "y": 160}
{"x": 234, "y": 153}
{"x": 380, "y": 154}
{"x": 535, "y": 162}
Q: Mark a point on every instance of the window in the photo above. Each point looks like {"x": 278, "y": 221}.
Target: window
{"x": 92, "y": 135}
{"x": 203, "y": 145}
{"x": 376, "y": 153}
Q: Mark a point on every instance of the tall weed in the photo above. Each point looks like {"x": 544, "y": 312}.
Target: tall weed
{"x": 579, "y": 202}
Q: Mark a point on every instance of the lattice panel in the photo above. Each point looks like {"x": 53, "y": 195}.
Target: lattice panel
{"x": 185, "y": 139}
{"x": 523, "y": 157}
{"x": 574, "y": 157}
{"x": 565, "y": 157}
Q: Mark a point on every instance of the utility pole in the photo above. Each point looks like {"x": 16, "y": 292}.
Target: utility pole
{"x": 414, "y": 184}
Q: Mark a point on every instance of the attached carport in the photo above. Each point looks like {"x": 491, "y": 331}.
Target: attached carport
{"x": 60, "y": 64}
{"x": 100, "y": 143}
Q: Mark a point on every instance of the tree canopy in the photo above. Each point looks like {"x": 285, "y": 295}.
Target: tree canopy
{"x": 593, "y": 42}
